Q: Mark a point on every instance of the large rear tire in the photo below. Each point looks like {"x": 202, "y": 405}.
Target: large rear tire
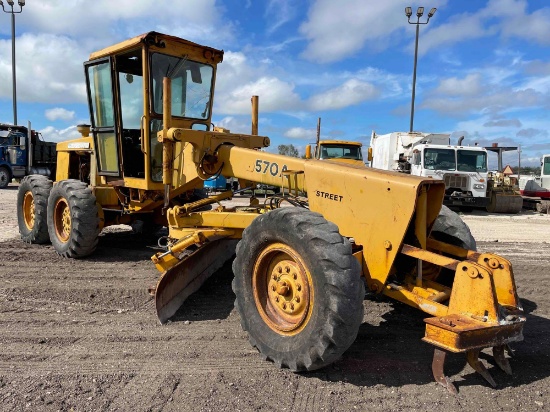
{"x": 73, "y": 220}
{"x": 450, "y": 228}
{"x": 32, "y": 205}
{"x": 298, "y": 289}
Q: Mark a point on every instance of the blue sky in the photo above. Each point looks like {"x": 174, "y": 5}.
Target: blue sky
{"x": 483, "y": 67}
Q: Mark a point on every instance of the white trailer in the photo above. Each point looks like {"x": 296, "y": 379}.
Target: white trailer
{"x": 462, "y": 168}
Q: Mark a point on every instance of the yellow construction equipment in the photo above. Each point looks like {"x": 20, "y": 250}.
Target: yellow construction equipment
{"x": 502, "y": 189}
{"x": 300, "y": 271}
{"x": 341, "y": 151}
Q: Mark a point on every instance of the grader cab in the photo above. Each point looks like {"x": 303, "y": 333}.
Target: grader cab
{"x": 301, "y": 263}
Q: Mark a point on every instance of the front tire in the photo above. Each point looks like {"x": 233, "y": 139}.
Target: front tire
{"x": 298, "y": 289}
{"x": 32, "y": 205}
{"x": 73, "y": 220}
{"x": 5, "y": 177}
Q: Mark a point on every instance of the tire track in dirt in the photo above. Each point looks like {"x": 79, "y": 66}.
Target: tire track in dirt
{"x": 62, "y": 349}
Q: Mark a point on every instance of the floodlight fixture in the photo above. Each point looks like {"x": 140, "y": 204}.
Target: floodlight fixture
{"x": 13, "y": 12}
{"x": 419, "y": 14}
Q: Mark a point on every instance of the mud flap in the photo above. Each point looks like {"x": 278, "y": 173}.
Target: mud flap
{"x": 180, "y": 281}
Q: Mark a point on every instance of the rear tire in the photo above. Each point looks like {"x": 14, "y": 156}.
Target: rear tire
{"x": 450, "y": 228}
{"x": 32, "y": 206}
{"x": 298, "y": 289}
{"x": 73, "y": 221}
{"x": 5, "y": 177}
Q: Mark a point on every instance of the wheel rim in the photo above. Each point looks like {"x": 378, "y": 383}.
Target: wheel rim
{"x": 3, "y": 176}
{"x": 283, "y": 291}
{"x": 28, "y": 210}
{"x": 62, "y": 220}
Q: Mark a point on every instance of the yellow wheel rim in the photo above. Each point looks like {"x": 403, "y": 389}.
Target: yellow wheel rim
{"x": 283, "y": 290}
{"x": 62, "y": 220}
{"x": 28, "y": 210}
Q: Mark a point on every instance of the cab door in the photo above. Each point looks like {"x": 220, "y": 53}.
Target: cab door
{"x": 103, "y": 114}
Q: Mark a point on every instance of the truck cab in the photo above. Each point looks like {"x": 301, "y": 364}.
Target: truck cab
{"x": 337, "y": 150}
{"x": 22, "y": 153}
{"x": 462, "y": 168}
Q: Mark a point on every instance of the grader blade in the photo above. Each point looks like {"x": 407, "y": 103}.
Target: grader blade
{"x": 187, "y": 276}
{"x": 505, "y": 203}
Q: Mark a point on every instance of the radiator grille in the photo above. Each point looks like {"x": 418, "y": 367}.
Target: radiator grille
{"x": 456, "y": 181}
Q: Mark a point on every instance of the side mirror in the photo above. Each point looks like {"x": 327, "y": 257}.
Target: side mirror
{"x": 369, "y": 154}
{"x": 308, "y": 151}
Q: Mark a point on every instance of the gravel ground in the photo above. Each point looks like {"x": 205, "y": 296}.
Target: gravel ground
{"x": 82, "y": 335}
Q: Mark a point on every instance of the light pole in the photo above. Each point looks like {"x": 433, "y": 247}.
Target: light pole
{"x": 11, "y": 3}
{"x": 419, "y": 13}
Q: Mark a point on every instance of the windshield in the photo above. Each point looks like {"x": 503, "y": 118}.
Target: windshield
{"x": 341, "y": 152}
{"x": 439, "y": 159}
{"x": 471, "y": 161}
{"x": 546, "y": 166}
{"x": 191, "y": 85}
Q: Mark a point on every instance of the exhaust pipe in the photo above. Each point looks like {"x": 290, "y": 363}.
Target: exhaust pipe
{"x": 460, "y": 139}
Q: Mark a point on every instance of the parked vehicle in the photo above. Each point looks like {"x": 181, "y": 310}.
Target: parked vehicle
{"x": 23, "y": 153}
{"x": 462, "y": 168}
{"x": 536, "y": 190}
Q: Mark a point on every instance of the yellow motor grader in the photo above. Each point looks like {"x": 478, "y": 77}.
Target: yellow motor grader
{"x": 301, "y": 263}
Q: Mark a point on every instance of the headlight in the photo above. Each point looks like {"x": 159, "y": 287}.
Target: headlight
{"x": 477, "y": 186}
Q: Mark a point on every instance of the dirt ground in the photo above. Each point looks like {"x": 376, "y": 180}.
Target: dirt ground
{"x": 83, "y": 335}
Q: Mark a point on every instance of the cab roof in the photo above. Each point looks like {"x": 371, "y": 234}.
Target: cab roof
{"x": 158, "y": 40}
{"x": 341, "y": 142}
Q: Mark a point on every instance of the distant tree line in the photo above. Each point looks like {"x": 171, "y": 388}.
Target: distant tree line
{"x": 288, "y": 150}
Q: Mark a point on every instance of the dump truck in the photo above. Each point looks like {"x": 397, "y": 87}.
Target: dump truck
{"x": 302, "y": 264}
{"x": 462, "y": 168}
{"x": 23, "y": 152}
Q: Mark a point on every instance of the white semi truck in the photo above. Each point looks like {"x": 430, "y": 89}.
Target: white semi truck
{"x": 462, "y": 168}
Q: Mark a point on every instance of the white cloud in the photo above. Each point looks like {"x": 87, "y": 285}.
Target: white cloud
{"x": 275, "y": 95}
{"x": 506, "y": 18}
{"x": 300, "y": 133}
{"x": 495, "y": 102}
{"x": 458, "y": 28}
{"x": 468, "y": 86}
{"x": 235, "y": 125}
{"x": 49, "y": 69}
{"x": 51, "y": 134}
{"x": 116, "y": 20}
{"x": 520, "y": 24}
{"x": 376, "y": 25}
{"x": 350, "y": 93}
{"x": 337, "y": 29}
{"x": 59, "y": 113}
{"x": 279, "y": 12}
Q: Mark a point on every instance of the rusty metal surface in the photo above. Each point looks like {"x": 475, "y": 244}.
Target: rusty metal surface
{"x": 177, "y": 283}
